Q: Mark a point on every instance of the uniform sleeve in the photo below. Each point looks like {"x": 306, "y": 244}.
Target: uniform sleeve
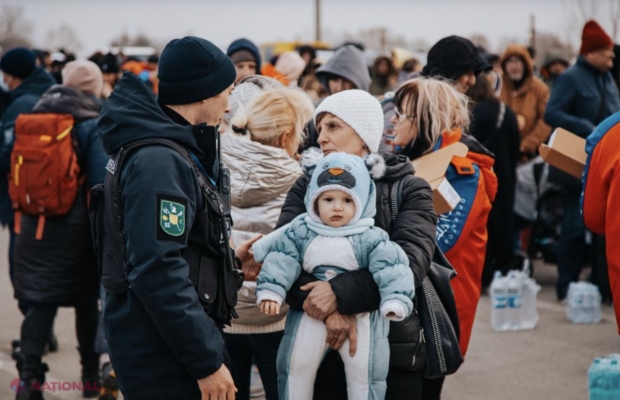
{"x": 389, "y": 267}
{"x": 155, "y": 181}
{"x": 558, "y": 109}
{"x": 281, "y": 267}
{"x": 541, "y": 131}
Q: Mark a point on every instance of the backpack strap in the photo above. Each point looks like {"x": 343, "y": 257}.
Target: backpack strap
{"x": 214, "y": 199}
{"x": 396, "y": 194}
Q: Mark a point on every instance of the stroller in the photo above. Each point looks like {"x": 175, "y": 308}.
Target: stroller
{"x": 538, "y": 206}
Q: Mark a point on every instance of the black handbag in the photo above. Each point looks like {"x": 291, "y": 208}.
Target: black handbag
{"x": 437, "y": 309}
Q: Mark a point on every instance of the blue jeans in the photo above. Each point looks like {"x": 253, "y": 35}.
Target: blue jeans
{"x": 261, "y": 348}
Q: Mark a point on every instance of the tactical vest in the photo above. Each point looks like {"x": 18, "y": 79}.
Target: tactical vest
{"x": 208, "y": 254}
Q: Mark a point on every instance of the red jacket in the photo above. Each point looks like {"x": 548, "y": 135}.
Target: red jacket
{"x": 462, "y": 233}
{"x": 601, "y": 196}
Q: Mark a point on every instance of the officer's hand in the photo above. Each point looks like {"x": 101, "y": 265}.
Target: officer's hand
{"x": 321, "y": 300}
{"x": 249, "y": 267}
{"x": 269, "y": 307}
{"x": 339, "y": 328}
{"x": 218, "y": 386}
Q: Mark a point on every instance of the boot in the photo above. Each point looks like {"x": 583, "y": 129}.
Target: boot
{"x": 90, "y": 374}
{"x": 32, "y": 375}
{"x": 109, "y": 385}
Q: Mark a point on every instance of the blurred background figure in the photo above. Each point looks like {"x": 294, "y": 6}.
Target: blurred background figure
{"x": 111, "y": 73}
{"x": 495, "y": 126}
{"x": 384, "y": 76}
{"x": 246, "y": 57}
{"x": 553, "y": 67}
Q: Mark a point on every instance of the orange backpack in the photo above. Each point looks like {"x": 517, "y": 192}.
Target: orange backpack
{"x": 45, "y": 174}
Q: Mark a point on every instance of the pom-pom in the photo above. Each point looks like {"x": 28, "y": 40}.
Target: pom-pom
{"x": 310, "y": 159}
{"x": 375, "y": 164}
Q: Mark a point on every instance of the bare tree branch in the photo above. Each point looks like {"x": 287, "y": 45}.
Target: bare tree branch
{"x": 63, "y": 37}
{"x": 15, "y": 29}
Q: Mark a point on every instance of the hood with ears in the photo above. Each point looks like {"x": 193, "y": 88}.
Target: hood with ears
{"x": 350, "y": 174}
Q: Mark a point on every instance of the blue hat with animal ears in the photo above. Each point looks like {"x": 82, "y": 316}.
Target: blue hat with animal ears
{"x": 350, "y": 174}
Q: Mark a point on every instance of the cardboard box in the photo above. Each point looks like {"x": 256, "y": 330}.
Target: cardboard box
{"x": 565, "y": 151}
{"x": 432, "y": 168}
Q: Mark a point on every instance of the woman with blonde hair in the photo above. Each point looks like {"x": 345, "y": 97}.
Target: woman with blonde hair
{"x": 260, "y": 150}
{"x": 431, "y": 115}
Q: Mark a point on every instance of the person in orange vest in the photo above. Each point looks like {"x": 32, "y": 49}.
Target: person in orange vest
{"x": 430, "y": 115}
{"x": 601, "y": 194}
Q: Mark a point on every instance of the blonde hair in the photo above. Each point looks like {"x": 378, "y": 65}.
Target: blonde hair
{"x": 437, "y": 107}
{"x": 274, "y": 113}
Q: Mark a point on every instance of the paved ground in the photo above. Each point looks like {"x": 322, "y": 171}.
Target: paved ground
{"x": 549, "y": 363}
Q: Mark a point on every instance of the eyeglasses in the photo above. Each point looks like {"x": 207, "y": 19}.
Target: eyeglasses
{"x": 400, "y": 116}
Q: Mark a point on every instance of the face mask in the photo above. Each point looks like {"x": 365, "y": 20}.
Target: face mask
{"x": 3, "y": 85}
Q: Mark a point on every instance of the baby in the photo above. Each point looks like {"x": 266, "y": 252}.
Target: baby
{"x": 335, "y": 236}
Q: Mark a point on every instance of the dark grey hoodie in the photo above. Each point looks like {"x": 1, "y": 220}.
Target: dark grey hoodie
{"x": 347, "y": 63}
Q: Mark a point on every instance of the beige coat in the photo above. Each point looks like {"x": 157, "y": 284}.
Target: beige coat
{"x": 261, "y": 176}
{"x": 528, "y": 102}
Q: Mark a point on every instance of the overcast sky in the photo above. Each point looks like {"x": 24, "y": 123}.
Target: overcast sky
{"x": 221, "y": 21}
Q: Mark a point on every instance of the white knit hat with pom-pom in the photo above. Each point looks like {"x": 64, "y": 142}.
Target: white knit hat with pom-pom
{"x": 358, "y": 109}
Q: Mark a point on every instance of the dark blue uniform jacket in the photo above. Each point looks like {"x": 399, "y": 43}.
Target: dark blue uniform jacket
{"x": 161, "y": 340}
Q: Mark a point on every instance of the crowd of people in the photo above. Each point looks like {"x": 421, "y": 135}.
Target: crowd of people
{"x": 214, "y": 217}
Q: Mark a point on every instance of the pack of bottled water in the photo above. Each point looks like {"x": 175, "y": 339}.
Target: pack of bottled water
{"x": 604, "y": 378}
{"x": 513, "y": 301}
{"x": 583, "y": 303}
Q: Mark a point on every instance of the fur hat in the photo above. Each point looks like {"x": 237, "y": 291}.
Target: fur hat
{"x": 594, "y": 38}
{"x": 358, "y": 109}
{"x": 83, "y": 75}
{"x": 350, "y": 174}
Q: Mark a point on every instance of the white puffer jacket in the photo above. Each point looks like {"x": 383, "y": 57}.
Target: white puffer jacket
{"x": 261, "y": 176}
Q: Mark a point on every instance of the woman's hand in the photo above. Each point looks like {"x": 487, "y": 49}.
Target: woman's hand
{"x": 321, "y": 301}
{"x": 243, "y": 252}
{"x": 339, "y": 328}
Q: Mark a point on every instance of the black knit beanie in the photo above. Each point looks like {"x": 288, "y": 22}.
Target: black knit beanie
{"x": 192, "y": 69}
{"x": 19, "y": 62}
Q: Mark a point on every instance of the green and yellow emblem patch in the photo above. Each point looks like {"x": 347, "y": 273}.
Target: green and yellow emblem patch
{"x": 172, "y": 217}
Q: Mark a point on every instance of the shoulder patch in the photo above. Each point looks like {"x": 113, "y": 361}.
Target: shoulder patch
{"x": 171, "y": 217}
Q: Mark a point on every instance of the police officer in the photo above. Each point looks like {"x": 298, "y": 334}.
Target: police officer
{"x": 163, "y": 228}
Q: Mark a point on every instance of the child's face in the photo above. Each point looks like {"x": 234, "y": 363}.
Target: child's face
{"x": 335, "y": 208}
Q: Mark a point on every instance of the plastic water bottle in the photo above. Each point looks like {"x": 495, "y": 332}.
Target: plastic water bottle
{"x": 499, "y": 303}
{"x": 584, "y": 303}
{"x": 595, "y": 299}
{"x": 614, "y": 380}
{"x": 515, "y": 300}
{"x": 596, "y": 381}
{"x": 604, "y": 378}
{"x": 530, "y": 311}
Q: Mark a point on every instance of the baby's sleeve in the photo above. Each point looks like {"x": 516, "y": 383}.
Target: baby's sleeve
{"x": 389, "y": 266}
{"x": 281, "y": 266}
